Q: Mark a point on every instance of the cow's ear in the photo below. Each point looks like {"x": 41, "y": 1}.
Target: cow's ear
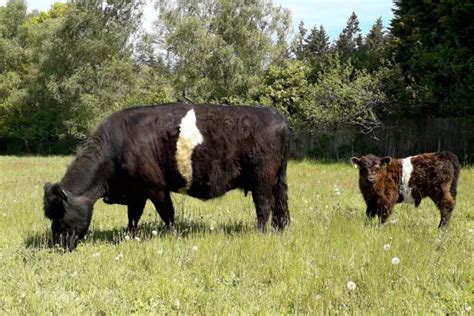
{"x": 355, "y": 162}
{"x": 385, "y": 161}
{"x": 59, "y": 192}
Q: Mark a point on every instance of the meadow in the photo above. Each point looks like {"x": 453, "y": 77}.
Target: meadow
{"x": 217, "y": 263}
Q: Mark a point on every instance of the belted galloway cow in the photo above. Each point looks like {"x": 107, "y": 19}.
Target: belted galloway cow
{"x": 147, "y": 152}
{"x": 387, "y": 181}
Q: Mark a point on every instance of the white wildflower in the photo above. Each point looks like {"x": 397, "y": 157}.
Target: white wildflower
{"x": 195, "y": 248}
{"x": 395, "y": 260}
{"x": 177, "y": 304}
{"x": 154, "y": 233}
{"x": 351, "y": 285}
{"x": 386, "y": 247}
{"x": 137, "y": 238}
{"x": 127, "y": 237}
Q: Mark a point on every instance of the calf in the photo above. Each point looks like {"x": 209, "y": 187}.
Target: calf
{"x": 386, "y": 181}
{"x": 148, "y": 152}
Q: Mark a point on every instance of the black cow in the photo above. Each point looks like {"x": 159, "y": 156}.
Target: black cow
{"x": 147, "y": 152}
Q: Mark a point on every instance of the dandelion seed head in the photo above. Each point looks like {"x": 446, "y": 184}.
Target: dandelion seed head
{"x": 395, "y": 260}
{"x": 154, "y": 232}
{"x": 386, "y": 247}
{"x": 351, "y": 286}
{"x": 195, "y": 248}
{"x": 74, "y": 274}
{"x": 127, "y": 237}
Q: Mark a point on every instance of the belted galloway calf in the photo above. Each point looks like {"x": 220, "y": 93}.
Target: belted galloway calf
{"x": 147, "y": 152}
{"x": 386, "y": 181}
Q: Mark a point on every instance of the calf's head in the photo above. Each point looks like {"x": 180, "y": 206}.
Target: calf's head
{"x": 370, "y": 168}
{"x": 70, "y": 215}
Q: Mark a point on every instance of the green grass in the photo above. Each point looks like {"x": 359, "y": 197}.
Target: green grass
{"x": 216, "y": 263}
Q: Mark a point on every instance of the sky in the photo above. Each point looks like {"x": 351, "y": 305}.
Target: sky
{"x": 332, "y": 14}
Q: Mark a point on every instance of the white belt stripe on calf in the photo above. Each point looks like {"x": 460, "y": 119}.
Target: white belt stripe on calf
{"x": 407, "y": 169}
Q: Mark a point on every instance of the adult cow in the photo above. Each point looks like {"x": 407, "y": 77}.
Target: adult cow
{"x": 386, "y": 181}
{"x": 147, "y": 152}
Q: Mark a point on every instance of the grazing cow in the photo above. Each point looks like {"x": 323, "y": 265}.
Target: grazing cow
{"x": 387, "y": 181}
{"x": 147, "y": 152}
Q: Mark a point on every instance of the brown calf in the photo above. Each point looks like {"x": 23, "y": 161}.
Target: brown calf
{"x": 386, "y": 181}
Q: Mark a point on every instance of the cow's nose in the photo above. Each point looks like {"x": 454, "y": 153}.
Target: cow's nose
{"x": 370, "y": 181}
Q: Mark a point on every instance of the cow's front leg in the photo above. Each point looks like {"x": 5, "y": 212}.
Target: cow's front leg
{"x": 164, "y": 206}
{"x": 263, "y": 199}
{"x": 135, "y": 211}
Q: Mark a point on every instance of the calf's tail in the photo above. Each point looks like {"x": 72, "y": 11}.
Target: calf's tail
{"x": 457, "y": 169}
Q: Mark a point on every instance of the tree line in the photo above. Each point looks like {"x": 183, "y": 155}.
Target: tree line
{"x": 64, "y": 70}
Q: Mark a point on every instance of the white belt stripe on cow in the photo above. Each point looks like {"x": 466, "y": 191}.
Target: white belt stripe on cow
{"x": 189, "y": 138}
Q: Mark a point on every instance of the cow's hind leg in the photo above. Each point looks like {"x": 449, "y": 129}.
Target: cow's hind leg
{"x": 280, "y": 213}
{"x": 263, "y": 199}
{"x": 164, "y": 207}
{"x": 135, "y": 211}
{"x": 445, "y": 202}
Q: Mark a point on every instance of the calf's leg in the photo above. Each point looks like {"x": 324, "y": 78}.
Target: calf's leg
{"x": 385, "y": 213}
{"x": 445, "y": 202}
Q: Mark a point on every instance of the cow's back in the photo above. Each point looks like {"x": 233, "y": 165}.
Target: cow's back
{"x": 231, "y": 142}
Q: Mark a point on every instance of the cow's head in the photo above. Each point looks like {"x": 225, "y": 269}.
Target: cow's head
{"x": 70, "y": 215}
{"x": 371, "y": 168}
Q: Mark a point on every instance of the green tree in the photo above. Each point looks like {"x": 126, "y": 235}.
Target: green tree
{"x": 341, "y": 95}
{"x": 374, "y": 50}
{"x": 80, "y": 69}
{"x": 350, "y": 38}
{"x": 286, "y": 88}
{"x": 218, "y": 49}
{"x": 298, "y": 43}
{"x": 317, "y": 43}
{"x": 433, "y": 43}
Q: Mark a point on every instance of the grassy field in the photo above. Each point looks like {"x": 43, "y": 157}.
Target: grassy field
{"x": 216, "y": 263}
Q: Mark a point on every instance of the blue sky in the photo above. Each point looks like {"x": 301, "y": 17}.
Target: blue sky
{"x": 332, "y": 14}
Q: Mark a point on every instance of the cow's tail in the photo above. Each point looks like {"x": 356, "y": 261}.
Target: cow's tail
{"x": 281, "y": 215}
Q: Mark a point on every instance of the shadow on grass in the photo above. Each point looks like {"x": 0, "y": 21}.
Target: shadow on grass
{"x": 145, "y": 231}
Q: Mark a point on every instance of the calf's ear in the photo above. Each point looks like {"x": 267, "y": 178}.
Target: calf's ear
{"x": 355, "y": 162}
{"x": 385, "y": 161}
